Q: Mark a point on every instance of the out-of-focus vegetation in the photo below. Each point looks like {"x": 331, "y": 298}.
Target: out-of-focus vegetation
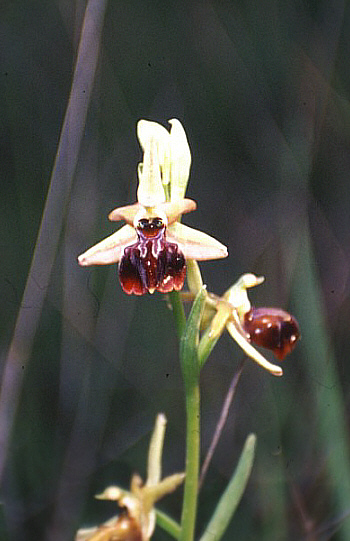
{"x": 262, "y": 88}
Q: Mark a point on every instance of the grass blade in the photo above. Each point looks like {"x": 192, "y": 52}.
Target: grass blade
{"x": 52, "y": 220}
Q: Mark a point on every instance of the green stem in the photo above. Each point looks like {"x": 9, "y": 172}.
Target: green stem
{"x": 168, "y": 524}
{"x": 189, "y": 508}
{"x": 178, "y": 311}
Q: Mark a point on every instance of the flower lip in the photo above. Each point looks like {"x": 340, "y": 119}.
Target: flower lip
{"x": 152, "y": 263}
{"x": 272, "y": 328}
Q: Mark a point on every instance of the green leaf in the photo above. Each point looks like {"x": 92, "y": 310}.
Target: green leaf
{"x": 214, "y": 331}
{"x": 190, "y": 339}
{"x": 232, "y": 496}
{"x": 206, "y": 346}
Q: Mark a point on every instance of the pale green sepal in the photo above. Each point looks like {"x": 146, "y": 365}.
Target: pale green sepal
{"x": 180, "y": 160}
{"x": 251, "y": 351}
{"x": 190, "y": 339}
{"x": 232, "y": 496}
{"x": 110, "y": 249}
{"x": 146, "y": 131}
{"x": 195, "y": 244}
{"x": 150, "y": 192}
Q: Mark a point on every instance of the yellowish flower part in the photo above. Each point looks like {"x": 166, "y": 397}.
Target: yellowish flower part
{"x": 180, "y": 160}
{"x": 237, "y": 295}
{"x": 230, "y": 312}
{"x": 167, "y": 161}
{"x": 139, "y": 501}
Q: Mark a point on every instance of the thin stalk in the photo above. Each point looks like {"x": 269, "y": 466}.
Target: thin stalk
{"x": 190, "y": 371}
{"x": 178, "y": 311}
{"x": 189, "y": 509}
{"x": 222, "y": 421}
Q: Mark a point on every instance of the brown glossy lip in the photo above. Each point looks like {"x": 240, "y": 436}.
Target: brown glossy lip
{"x": 272, "y": 328}
{"x": 152, "y": 263}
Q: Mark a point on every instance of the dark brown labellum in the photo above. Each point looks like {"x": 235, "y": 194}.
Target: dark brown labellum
{"x": 152, "y": 263}
{"x": 273, "y": 329}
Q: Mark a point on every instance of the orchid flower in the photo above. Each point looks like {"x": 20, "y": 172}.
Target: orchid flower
{"x": 152, "y": 247}
{"x": 271, "y": 328}
{"x": 137, "y": 519}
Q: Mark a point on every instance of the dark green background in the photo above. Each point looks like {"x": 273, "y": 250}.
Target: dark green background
{"x": 262, "y": 88}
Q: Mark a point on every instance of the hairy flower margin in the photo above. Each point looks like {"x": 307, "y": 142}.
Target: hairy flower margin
{"x": 271, "y": 328}
{"x": 137, "y": 518}
{"x": 152, "y": 247}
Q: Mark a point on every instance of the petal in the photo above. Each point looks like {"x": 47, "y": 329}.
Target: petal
{"x": 180, "y": 160}
{"x": 154, "y": 139}
{"x": 195, "y": 244}
{"x": 174, "y": 209}
{"x": 150, "y": 191}
{"x": 109, "y": 250}
{"x": 147, "y": 130}
{"x": 251, "y": 351}
{"x": 126, "y": 213}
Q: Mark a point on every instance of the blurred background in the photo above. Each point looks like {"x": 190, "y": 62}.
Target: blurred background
{"x": 262, "y": 88}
